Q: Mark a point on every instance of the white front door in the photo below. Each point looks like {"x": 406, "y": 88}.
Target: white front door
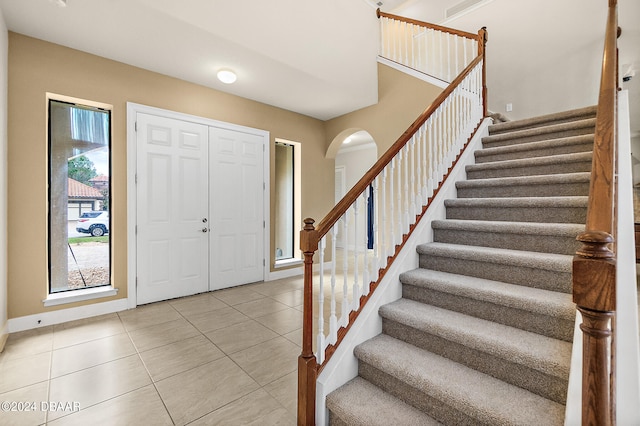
{"x": 172, "y": 208}
{"x": 236, "y": 205}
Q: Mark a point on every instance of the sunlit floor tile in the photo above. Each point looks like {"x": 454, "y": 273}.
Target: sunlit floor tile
{"x": 24, "y": 371}
{"x": 139, "y": 407}
{"x": 236, "y": 295}
{"x": 148, "y": 315}
{"x": 282, "y": 322}
{"x": 98, "y": 384}
{"x": 261, "y": 307}
{"x": 162, "y": 334}
{"x": 214, "y": 320}
{"x": 95, "y": 352}
{"x": 257, "y": 408}
{"x": 290, "y": 298}
{"x": 197, "y": 304}
{"x": 240, "y": 336}
{"x": 30, "y": 412}
{"x": 29, "y": 342}
{"x": 199, "y": 391}
{"x": 82, "y": 331}
{"x": 285, "y": 390}
{"x": 268, "y": 361}
{"x": 166, "y": 361}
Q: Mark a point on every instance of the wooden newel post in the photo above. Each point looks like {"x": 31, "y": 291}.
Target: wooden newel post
{"x": 594, "y": 291}
{"x": 483, "y": 37}
{"x": 307, "y": 364}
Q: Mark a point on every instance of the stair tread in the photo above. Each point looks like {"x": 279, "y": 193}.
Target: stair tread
{"x": 564, "y": 115}
{"x": 552, "y": 179}
{"x": 540, "y": 301}
{"x": 470, "y": 391}
{"x": 537, "y": 145}
{"x": 531, "y": 259}
{"x": 541, "y": 353}
{"x": 494, "y": 226}
{"x": 535, "y": 161}
{"x": 359, "y": 402}
{"x": 505, "y": 202}
{"x": 551, "y": 128}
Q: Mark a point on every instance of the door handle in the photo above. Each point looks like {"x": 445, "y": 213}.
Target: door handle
{"x": 205, "y": 229}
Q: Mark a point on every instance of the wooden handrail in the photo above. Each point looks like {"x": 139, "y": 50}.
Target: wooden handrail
{"x": 426, "y": 25}
{"x": 341, "y": 207}
{"x": 594, "y": 265}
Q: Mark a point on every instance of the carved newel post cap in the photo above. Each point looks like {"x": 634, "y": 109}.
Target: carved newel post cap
{"x": 308, "y": 224}
{"x": 595, "y": 244}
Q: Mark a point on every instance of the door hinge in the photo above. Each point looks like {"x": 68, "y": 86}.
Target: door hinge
{"x": 135, "y": 125}
{"x": 136, "y": 282}
{"x": 136, "y": 178}
{"x": 264, "y": 262}
{"x": 136, "y": 232}
{"x": 264, "y": 224}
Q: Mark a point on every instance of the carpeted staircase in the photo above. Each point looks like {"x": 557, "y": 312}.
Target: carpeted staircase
{"x": 483, "y": 332}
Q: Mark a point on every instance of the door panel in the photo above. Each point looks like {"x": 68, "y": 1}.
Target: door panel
{"x": 236, "y": 205}
{"x": 172, "y": 199}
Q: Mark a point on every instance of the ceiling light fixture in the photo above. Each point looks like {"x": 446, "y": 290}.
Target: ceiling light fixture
{"x": 59, "y": 3}
{"x": 227, "y": 76}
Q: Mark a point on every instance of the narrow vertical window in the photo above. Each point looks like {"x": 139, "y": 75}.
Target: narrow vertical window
{"x": 285, "y": 187}
{"x": 288, "y": 220}
{"x": 79, "y": 196}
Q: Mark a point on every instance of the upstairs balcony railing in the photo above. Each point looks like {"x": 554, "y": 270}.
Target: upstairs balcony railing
{"x": 362, "y": 235}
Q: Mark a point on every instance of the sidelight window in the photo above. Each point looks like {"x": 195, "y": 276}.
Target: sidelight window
{"x": 79, "y": 186}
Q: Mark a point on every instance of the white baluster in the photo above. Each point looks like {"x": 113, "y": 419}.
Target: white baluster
{"x": 376, "y": 231}
{"x": 333, "y": 319}
{"x": 432, "y": 142}
{"x": 320, "y": 346}
{"x": 449, "y": 79}
{"x": 344, "y": 320}
{"x": 456, "y": 40}
{"x": 419, "y": 184}
{"x": 392, "y": 212}
{"x": 442, "y": 55}
{"x": 405, "y": 220}
{"x": 382, "y": 253}
{"x": 399, "y": 217}
{"x": 356, "y": 255}
{"x": 423, "y": 164}
{"x": 366, "y": 275}
{"x": 406, "y": 44}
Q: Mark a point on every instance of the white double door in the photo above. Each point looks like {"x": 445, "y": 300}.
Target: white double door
{"x": 200, "y": 207}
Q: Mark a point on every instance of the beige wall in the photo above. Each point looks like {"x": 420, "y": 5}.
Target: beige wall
{"x": 3, "y": 180}
{"x": 37, "y": 67}
{"x": 402, "y": 99}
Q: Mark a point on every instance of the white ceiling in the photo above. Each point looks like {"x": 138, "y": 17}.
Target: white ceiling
{"x": 319, "y": 58}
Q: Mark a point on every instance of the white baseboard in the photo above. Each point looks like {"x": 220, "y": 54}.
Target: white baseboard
{"x": 63, "y": 315}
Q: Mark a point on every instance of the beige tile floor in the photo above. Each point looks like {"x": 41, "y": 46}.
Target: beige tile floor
{"x": 222, "y": 358}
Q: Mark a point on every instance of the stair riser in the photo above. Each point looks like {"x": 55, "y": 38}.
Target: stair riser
{"x": 550, "y": 169}
{"x": 526, "y": 242}
{"x": 439, "y": 410}
{"x": 530, "y": 277}
{"x": 545, "y": 385}
{"x": 549, "y": 190}
{"x": 489, "y": 143}
{"x": 519, "y": 214}
{"x": 545, "y": 325}
{"x": 484, "y": 157}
